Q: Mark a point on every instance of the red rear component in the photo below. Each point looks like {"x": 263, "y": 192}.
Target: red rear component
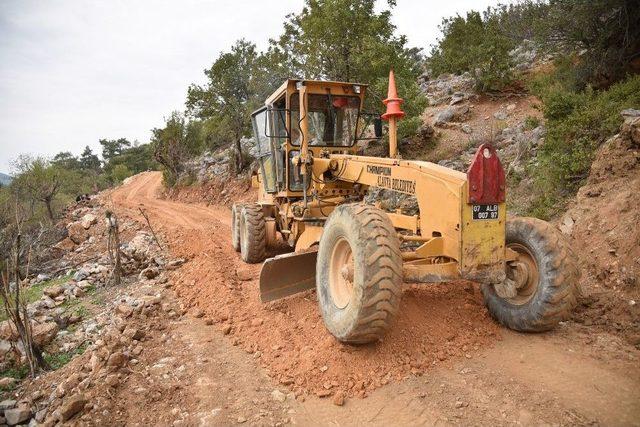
{"x": 486, "y": 177}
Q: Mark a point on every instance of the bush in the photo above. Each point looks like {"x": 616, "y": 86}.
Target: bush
{"x": 577, "y": 124}
{"x": 476, "y": 45}
{"x": 409, "y": 128}
{"x": 120, "y": 173}
{"x": 531, "y": 122}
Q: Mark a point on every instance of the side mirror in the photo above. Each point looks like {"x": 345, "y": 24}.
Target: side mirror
{"x": 377, "y": 127}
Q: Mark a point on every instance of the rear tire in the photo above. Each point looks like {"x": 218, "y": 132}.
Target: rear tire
{"x": 235, "y": 226}
{"x": 252, "y": 234}
{"x": 359, "y": 273}
{"x": 544, "y": 277}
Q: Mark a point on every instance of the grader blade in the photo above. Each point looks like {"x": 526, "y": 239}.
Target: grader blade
{"x": 287, "y": 274}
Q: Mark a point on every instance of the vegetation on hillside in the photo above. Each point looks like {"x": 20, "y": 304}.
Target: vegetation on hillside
{"x": 578, "y": 122}
{"x": 596, "y": 46}
{"x": 602, "y": 37}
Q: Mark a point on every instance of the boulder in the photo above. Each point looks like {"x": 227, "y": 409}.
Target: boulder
{"x": 88, "y": 220}
{"x": 500, "y": 115}
{"x": 71, "y": 407}
{"x": 65, "y": 244}
{"x": 133, "y": 333}
{"x": 17, "y": 415}
{"x": 44, "y": 333}
{"x": 81, "y": 274}
{"x": 444, "y": 116}
{"x": 631, "y": 127}
{"x": 148, "y": 273}
{"x": 42, "y": 277}
{"x": 53, "y": 291}
{"x": 125, "y": 310}
{"x": 77, "y": 232}
{"x": 7, "y": 381}
{"x": 116, "y": 360}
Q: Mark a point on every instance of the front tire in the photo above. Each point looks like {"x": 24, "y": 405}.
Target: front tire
{"x": 235, "y": 226}
{"x": 359, "y": 273}
{"x": 542, "y": 285}
{"x": 253, "y": 242}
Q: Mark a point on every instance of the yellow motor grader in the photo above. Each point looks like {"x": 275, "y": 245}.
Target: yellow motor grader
{"x": 312, "y": 185}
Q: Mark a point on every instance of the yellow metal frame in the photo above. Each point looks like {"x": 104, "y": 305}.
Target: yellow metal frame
{"x": 451, "y": 243}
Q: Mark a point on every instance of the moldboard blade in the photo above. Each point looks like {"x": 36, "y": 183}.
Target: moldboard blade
{"x": 287, "y": 274}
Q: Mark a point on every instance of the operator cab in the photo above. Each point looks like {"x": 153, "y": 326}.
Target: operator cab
{"x": 333, "y": 123}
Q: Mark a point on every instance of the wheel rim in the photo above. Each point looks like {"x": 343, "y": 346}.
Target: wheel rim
{"x": 524, "y": 273}
{"x": 341, "y": 273}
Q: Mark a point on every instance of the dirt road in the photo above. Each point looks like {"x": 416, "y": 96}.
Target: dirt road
{"x": 445, "y": 362}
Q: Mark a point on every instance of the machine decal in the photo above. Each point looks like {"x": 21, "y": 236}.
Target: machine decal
{"x": 379, "y": 170}
{"x": 397, "y": 184}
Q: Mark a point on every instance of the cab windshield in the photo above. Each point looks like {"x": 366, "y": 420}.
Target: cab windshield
{"x": 332, "y": 119}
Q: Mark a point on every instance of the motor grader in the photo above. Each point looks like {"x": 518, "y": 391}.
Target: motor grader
{"x": 311, "y": 190}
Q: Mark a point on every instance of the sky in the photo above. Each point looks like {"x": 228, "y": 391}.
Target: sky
{"x": 75, "y": 71}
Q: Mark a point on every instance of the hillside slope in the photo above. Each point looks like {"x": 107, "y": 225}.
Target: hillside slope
{"x": 603, "y": 225}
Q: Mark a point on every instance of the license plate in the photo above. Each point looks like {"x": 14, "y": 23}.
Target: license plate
{"x": 485, "y": 211}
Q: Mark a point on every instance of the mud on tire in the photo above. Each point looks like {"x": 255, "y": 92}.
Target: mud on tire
{"x": 252, "y": 234}
{"x": 359, "y": 273}
{"x": 552, "y": 295}
{"x": 235, "y": 226}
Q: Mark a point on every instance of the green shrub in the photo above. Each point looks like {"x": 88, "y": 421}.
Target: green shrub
{"x": 409, "y": 128}
{"x": 477, "y": 45}
{"x": 531, "y": 122}
{"x": 120, "y": 173}
{"x": 577, "y": 124}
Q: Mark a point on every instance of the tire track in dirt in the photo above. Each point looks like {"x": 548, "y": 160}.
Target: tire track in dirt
{"x": 287, "y": 338}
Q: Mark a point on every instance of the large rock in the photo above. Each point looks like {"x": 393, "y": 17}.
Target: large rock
{"x": 53, "y": 291}
{"x": 447, "y": 87}
{"x": 17, "y": 415}
{"x": 444, "y": 116}
{"x": 71, "y": 407}
{"x": 65, "y": 244}
{"x": 44, "y": 333}
{"x": 116, "y": 360}
{"x": 451, "y": 114}
{"x": 77, "y": 232}
{"x": 631, "y": 126}
{"x": 88, "y": 220}
{"x": 8, "y": 331}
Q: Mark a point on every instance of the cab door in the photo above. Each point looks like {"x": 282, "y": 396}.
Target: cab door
{"x": 266, "y": 131}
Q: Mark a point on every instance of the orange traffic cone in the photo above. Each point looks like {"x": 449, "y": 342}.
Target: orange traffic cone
{"x": 392, "y": 102}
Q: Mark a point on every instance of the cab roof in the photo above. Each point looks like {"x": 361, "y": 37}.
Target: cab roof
{"x": 283, "y": 87}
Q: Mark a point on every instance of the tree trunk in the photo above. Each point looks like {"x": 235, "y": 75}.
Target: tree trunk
{"x": 49, "y": 209}
{"x": 239, "y": 159}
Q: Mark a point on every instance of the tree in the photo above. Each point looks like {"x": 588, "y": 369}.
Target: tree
{"x": 230, "y": 94}
{"x": 66, "y": 160}
{"x": 89, "y": 161}
{"x": 347, "y": 40}
{"x": 477, "y": 44}
{"x": 113, "y": 147}
{"x": 174, "y": 143}
{"x": 605, "y": 33}
{"x": 37, "y": 180}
